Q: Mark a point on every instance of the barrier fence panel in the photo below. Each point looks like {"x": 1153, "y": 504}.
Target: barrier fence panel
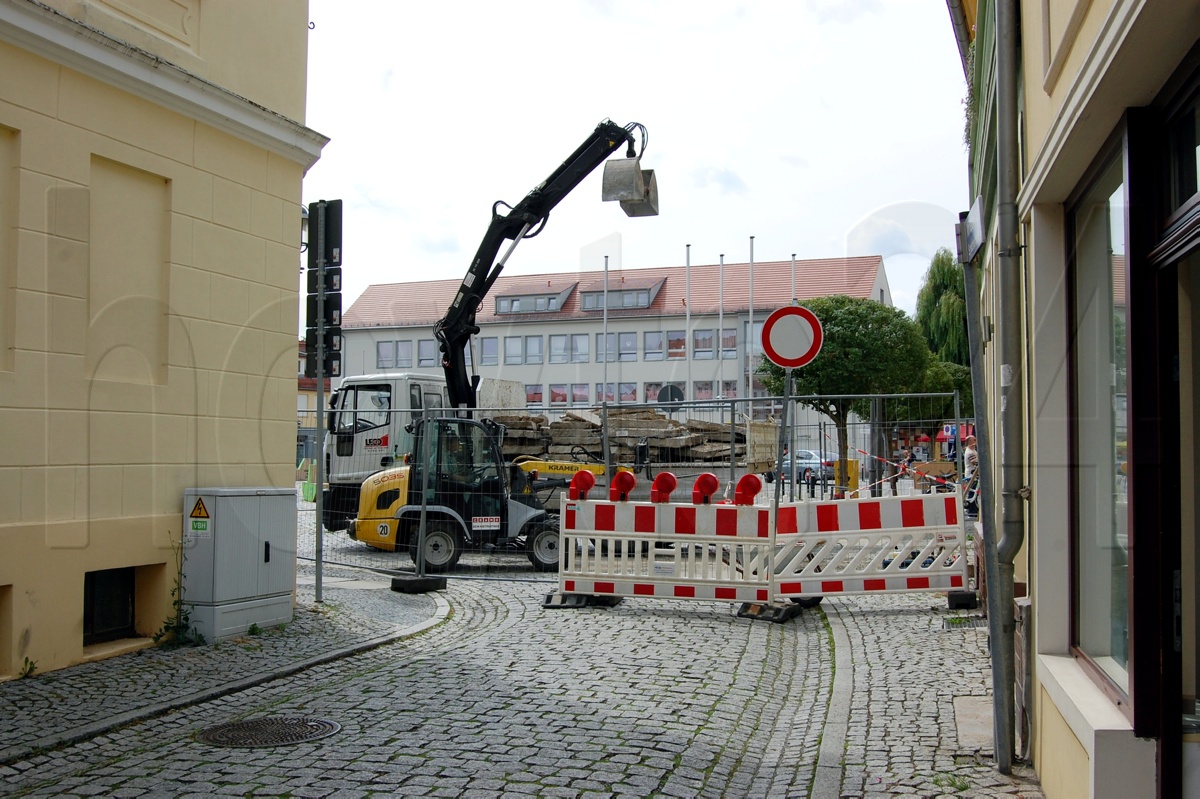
{"x": 748, "y": 553}
{"x": 858, "y": 546}
{"x": 627, "y": 548}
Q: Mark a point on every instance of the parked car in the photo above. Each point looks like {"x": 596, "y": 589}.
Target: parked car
{"x": 809, "y": 465}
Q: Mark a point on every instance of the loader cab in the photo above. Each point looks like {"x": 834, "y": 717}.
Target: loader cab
{"x": 459, "y": 468}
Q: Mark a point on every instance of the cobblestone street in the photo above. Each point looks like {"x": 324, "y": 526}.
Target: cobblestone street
{"x": 502, "y": 697}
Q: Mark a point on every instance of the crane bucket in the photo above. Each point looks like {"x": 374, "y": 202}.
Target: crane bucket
{"x": 636, "y": 189}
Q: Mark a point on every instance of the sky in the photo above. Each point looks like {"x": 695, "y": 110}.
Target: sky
{"x": 822, "y": 128}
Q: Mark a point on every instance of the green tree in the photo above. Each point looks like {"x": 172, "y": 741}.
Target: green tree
{"x": 942, "y": 309}
{"x": 869, "y": 348}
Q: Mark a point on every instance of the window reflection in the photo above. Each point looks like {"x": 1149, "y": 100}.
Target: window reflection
{"x": 1100, "y": 514}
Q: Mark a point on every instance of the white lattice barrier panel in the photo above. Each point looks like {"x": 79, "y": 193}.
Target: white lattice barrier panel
{"x": 676, "y": 551}
{"x": 873, "y": 545}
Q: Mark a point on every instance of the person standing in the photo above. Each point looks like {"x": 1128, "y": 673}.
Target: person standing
{"x": 970, "y": 458}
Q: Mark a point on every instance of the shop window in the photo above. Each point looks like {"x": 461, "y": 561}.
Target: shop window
{"x": 1100, "y": 540}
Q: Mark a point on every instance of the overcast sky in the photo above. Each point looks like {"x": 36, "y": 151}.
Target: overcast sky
{"x": 820, "y": 127}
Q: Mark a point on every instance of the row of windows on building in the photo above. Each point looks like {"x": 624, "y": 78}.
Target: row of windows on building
{"x": 656, "y": 345}
{"x": 582, "y": 393}
{"x": 588, "y": 301}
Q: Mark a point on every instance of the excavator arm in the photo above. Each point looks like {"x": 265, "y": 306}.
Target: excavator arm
{"x": 524, "y": 220}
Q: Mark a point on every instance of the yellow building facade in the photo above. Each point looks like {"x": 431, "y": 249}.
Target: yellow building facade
{"x": 151, "y": 159}
{"x": 1089, "y": 341}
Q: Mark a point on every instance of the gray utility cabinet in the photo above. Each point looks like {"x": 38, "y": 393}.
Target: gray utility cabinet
{"x": 239, "y": 558}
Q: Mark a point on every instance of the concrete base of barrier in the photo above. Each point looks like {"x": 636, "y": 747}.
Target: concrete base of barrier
{"x": 778, "y": 613}
{"x": 557, "y": 599}
{"x": 962, "y": 600}
{"x": 412, "y": 584}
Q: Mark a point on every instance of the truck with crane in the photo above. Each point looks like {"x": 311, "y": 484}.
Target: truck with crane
{"x": 454, "y": 491}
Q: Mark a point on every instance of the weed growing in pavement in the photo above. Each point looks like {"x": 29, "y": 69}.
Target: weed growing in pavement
{"x": 952, "y": 781}
{"x": 253, "y": 629}
{"x": 177, "y": 630}
{"x": 27, "y": 669}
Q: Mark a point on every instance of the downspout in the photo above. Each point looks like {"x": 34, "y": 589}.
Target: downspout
{"x": 1011, "y": 360}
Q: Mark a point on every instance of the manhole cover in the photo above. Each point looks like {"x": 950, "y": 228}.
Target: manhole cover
{"x": 267, "y": 732}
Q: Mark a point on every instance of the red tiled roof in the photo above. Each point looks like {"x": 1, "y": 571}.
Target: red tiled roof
{"x": 425, "y": 302}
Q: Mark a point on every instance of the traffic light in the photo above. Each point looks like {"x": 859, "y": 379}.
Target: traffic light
{"x": 323, "y": 318}
{"x": 331, "y": 243}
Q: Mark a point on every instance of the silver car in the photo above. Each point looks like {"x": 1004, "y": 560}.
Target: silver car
{"x": 809, "y": 466}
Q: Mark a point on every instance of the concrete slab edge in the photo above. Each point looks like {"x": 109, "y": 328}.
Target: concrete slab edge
{"x": 827, "y": 781}
{"x": 15, "y": 753}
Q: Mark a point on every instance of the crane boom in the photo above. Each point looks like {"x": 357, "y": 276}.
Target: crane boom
{"x": 524, "y": 220}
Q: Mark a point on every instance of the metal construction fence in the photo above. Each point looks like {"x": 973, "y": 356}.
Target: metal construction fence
{"x": 467, "y": 512}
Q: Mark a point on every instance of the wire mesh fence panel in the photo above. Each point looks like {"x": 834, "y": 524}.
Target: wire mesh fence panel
{"x": 431, "y": 490}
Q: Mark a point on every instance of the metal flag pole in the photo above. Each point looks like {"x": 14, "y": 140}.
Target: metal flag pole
{"x": 793, "y": 277}
{"x": 604, "y": 389}
{"x": 687, "y": 317}
{"x": 721, "y": 327}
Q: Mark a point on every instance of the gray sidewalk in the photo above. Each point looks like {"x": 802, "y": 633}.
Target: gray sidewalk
{"x": 72, "y": 704}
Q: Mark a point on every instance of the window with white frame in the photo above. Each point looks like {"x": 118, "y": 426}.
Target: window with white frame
{"x": 627, "y": 346}
{"x": 404, "y": 355}
{"x": 653, "y": 345}
{"x": 560, "y": 348}
{"x": 385, "y": 354}
{"x": 676, "y": 344}
{"x": 579, "y": 347}
{"x": 489, "y": 351}
{"x": 514, "y": 350}
{"x": 427, "y": 352}
{"x": 533, "y": 349}
{"x": 606, "y": 349}
{"x": 702, "y": 344}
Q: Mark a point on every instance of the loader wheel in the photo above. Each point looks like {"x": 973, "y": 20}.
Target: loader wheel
{"x": 443, "y": 547}
{"x": 541, "y": 545}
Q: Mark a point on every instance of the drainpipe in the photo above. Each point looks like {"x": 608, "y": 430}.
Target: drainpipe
{"x": 962, "y": 32}
{"x": 1013, "y": 490}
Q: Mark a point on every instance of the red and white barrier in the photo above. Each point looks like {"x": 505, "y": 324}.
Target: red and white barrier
{"x": 874, "y": 545}
{"x": 700, "y": 551}
{"x": 620, "y": 548}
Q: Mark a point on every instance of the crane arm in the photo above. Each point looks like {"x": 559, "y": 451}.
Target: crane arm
{"x": 524, "y": 220}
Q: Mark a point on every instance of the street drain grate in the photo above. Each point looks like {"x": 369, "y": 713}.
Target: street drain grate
{"x": 964, "y": 622}
{"x": 267, "y": 732}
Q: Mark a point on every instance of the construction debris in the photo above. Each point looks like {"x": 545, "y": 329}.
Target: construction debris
{"x": 578, "y": 435}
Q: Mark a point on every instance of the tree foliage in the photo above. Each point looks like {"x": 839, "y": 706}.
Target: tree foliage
{"x": 942, "y": 309}
{"x": 869, "y": 348}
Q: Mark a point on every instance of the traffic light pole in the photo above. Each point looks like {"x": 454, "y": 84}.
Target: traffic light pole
{"x": 320, "y": 520}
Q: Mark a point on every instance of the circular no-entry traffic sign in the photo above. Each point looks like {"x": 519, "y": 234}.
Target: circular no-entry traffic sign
{"x": 792, "y": 336}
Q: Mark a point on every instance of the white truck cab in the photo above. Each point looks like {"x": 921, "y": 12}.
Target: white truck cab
{"x": 365, "y": 432}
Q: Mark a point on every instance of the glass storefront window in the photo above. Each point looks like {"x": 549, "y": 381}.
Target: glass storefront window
{"x": 1100, "y": 589}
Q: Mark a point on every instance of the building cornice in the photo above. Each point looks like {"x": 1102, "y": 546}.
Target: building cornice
{"x": 39, "y": 29}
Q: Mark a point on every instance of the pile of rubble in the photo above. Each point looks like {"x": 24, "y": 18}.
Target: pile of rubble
{"x": 578, "y": 435}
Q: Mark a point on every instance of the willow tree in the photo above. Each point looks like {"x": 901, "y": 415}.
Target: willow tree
{"x": 869, "y": 348}
{"x": 942, "y": 309}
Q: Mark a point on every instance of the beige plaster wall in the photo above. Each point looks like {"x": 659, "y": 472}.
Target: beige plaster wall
{"x": 258, "y": 50}
{"x": 148, "y": 316}
{"x": 1062, "y": 763}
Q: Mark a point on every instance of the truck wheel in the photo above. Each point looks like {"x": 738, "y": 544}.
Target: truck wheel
{"x": 443, "y": 546}
{"x": 541, "y": 545}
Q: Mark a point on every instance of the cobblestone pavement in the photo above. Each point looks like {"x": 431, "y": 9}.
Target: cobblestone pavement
{"x": 503, "y": 698}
